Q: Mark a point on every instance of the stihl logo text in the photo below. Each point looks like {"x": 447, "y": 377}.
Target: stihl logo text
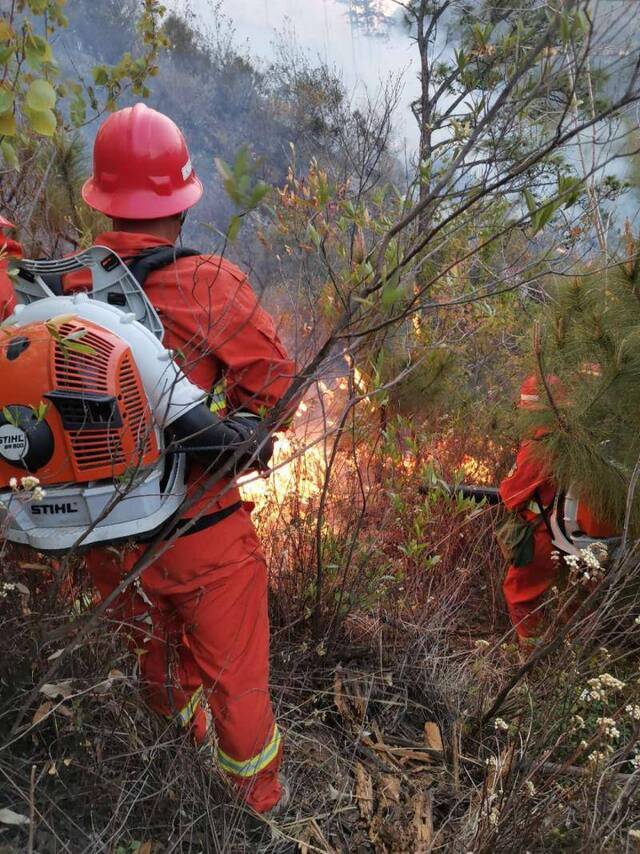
{"x": 53, "y": 509}
{"x": 13, "y": 442}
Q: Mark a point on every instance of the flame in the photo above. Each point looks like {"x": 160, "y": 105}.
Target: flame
{"x": 476, "y": 470}
{"x": 297, "y": 470}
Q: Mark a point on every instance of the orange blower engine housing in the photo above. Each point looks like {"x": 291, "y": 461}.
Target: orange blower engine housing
{"x": 72, "y": 392}
{"x": 96, "y": 408}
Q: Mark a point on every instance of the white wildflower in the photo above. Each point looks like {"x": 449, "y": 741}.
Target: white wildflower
{"x": 530, "y": 788}
{"x": 13, "y": 483}
{"x": 595, "y": 692}
{"x": 610, "y": 681}
{"x": 599, "y": 686}
{"x": 636, "y": 761}
{"x": 578, "y": 720}
{"x": 29, "y": 482}
{"x": 500, "y": 724}
{"x": 596, "y": 758}
{"x": 633, "y": 711}
{"x": 637, "y": 621}
{"x": 583, "y": 744}
{"x": 609, "y": 728}
{"x": 494, "y": 817}
{"x": 38, "y": 493}
{"x": 482, "y": 644}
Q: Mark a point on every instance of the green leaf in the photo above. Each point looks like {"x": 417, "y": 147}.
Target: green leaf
{"x": 9, "y": 155}
{"x": 546, "y": 213}
{"x": 9, "y": 416}
{"x": 43, "y": 122}
{"x": 41, "y": 96}
{"x": 223, "y": 169}
{"x": 78, "y": 335}
{"x": 77, "y": 347}
{"x": 391, "y": 296}
{"x": 7, "y": 124}
{"x": 259, "y": 192}
{"x": 38, "y": 51}
{"x": 529, "y": 198}
{"x": 6, "y": 99}
{"x": 78, "y": 111}
{"x": 100, "y": 75}
{"x": 234, "y": 228}
{"x": 314, "y": 237}
{"x": 5, "y": 55}
{"x": 366, "y": 301}
{"x": 6, "y": 31}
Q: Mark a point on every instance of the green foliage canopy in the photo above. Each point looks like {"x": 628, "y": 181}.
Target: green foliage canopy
{"x": 591, "y": 340}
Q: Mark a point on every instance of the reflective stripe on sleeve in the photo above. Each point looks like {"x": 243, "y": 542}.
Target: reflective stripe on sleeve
{"x": 218, "y": 398}
{"x": 253, "y": 766}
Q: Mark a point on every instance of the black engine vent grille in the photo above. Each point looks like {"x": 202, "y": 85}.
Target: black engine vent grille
{"x": 85, "y": 410}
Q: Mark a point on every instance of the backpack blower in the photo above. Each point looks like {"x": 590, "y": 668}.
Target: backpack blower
{"x": 95, "y": 407}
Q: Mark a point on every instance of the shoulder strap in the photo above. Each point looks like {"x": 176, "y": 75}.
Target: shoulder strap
{"x": 544, "y": 512}
{"x": 157, "y": 258}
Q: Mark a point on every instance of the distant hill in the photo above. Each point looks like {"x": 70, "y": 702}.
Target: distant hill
{"x": 222, "y": 100}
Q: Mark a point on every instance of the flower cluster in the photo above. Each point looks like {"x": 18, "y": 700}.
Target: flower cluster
{"x": 28, "y": 484}
{"x": 500, "y": 724}
{"x": 589, "y": 565}
{"x": 5, "y": 588}
{"x": 609, "y": 728}
{"x": 633, "y": 711}
{"x": 599, "y": 687}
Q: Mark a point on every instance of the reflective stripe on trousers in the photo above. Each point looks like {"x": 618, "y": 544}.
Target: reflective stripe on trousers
{"x": 257, "y": 763}
{"x": 185, "y": 715}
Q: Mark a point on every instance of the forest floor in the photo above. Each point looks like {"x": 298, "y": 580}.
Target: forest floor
{"x": 388, "y": 748}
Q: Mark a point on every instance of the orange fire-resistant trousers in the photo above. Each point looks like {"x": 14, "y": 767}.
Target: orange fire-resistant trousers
{"x": 198, "y": 620}
{"x": 525, "y": 587}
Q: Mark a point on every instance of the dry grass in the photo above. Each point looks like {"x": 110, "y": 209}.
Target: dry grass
{"x": 397, "y": 640}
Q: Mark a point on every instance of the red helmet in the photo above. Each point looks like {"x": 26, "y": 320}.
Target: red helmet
{"x": 141, "y": 167}
{"x": 4, "y": 223}
{"x": 530, "y": 394}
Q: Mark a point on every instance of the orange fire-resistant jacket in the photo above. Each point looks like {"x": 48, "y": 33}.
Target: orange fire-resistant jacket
{"x": 8, "y": 248}
{"x": 524, "y": 586}
{"x": 214, "y": 323}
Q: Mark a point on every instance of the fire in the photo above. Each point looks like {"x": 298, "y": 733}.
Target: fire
{"x": 475, "y": 470}
{"x": 297, "y": 469}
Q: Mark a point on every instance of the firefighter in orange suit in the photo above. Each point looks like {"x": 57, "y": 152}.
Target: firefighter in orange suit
{"x": 529, "y": 491}
{"x": 199, "y": 615}
{"x": 8, "y": 249}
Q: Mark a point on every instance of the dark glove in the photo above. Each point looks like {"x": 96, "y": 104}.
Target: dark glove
{"x": 214, "y": 440}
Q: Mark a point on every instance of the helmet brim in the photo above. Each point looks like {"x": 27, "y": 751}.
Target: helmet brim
{"x": 142, "y": 204}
